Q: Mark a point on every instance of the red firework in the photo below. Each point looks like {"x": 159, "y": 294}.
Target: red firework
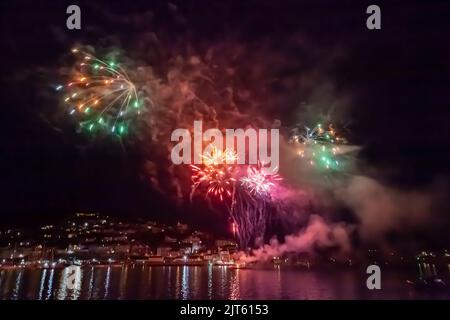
{"x": 217, "y": 180}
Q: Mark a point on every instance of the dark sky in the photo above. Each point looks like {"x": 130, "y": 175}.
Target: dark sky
{"x": 398, "y": 78}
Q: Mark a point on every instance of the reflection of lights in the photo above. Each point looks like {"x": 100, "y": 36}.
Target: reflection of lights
{"x": 185, "y": 282}
{"x": 41, "y": 286}
{"x": 50, "y": 284}
{"x": 210, "y": 282}
{"x": 17, "y": 286}
{"x": 107, "y": 280}
{"x": 234, "y": 294}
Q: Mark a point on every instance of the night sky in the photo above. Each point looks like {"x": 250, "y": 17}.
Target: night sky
{"x": 396, "y": 81}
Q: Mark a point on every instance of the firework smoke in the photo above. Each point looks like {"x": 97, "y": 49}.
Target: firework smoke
{"x": 316, "y": 235}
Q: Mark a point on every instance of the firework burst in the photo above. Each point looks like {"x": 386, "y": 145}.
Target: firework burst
{"x": 259, "y": 180}
{"x": 218, "y": 181}
{"x": 321, "y": 147}
{"x": 216, "y": 176}
{"x": 100, "y": 94}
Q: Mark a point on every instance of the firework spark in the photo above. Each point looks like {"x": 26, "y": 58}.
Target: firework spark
{"x": 216, "y": 157}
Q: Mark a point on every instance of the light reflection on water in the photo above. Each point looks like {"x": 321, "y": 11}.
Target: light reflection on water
{"x": 50, "y": 284}
{"x": 18, "y": 282}
{"x": 41, "y": 286}
{"x": 185, "y": 283}
{"x": 202, "y": 282}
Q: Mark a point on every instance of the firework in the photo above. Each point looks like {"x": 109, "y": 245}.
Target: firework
{"x": 216, "y": 157}
{"x": 251, "y": 203}
{"x": 247, "y": 202}
{"x": 217, "y": 181}
{"x": 215, "y": 176}
{"x": 230, "y": 156}
{"x": 100, "y": 94}
{"x": 234, "y": 229}
{"x": 321, "y": 147}
{"x": 260, "y": 180}
{"x": 249, "y": 213}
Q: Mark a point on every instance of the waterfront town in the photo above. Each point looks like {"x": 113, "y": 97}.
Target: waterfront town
{"x": 90, "y": 238}
{"x": 94, "y": 239}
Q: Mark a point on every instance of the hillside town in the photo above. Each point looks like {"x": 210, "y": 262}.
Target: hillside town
{"x": 94, "y": 239}
{"x": 90, "y": 238}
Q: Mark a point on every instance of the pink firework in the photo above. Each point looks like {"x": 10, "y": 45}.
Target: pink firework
{"x": 259, "y": 180}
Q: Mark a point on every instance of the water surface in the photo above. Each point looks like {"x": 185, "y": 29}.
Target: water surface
{"x": 202, "y": 282}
